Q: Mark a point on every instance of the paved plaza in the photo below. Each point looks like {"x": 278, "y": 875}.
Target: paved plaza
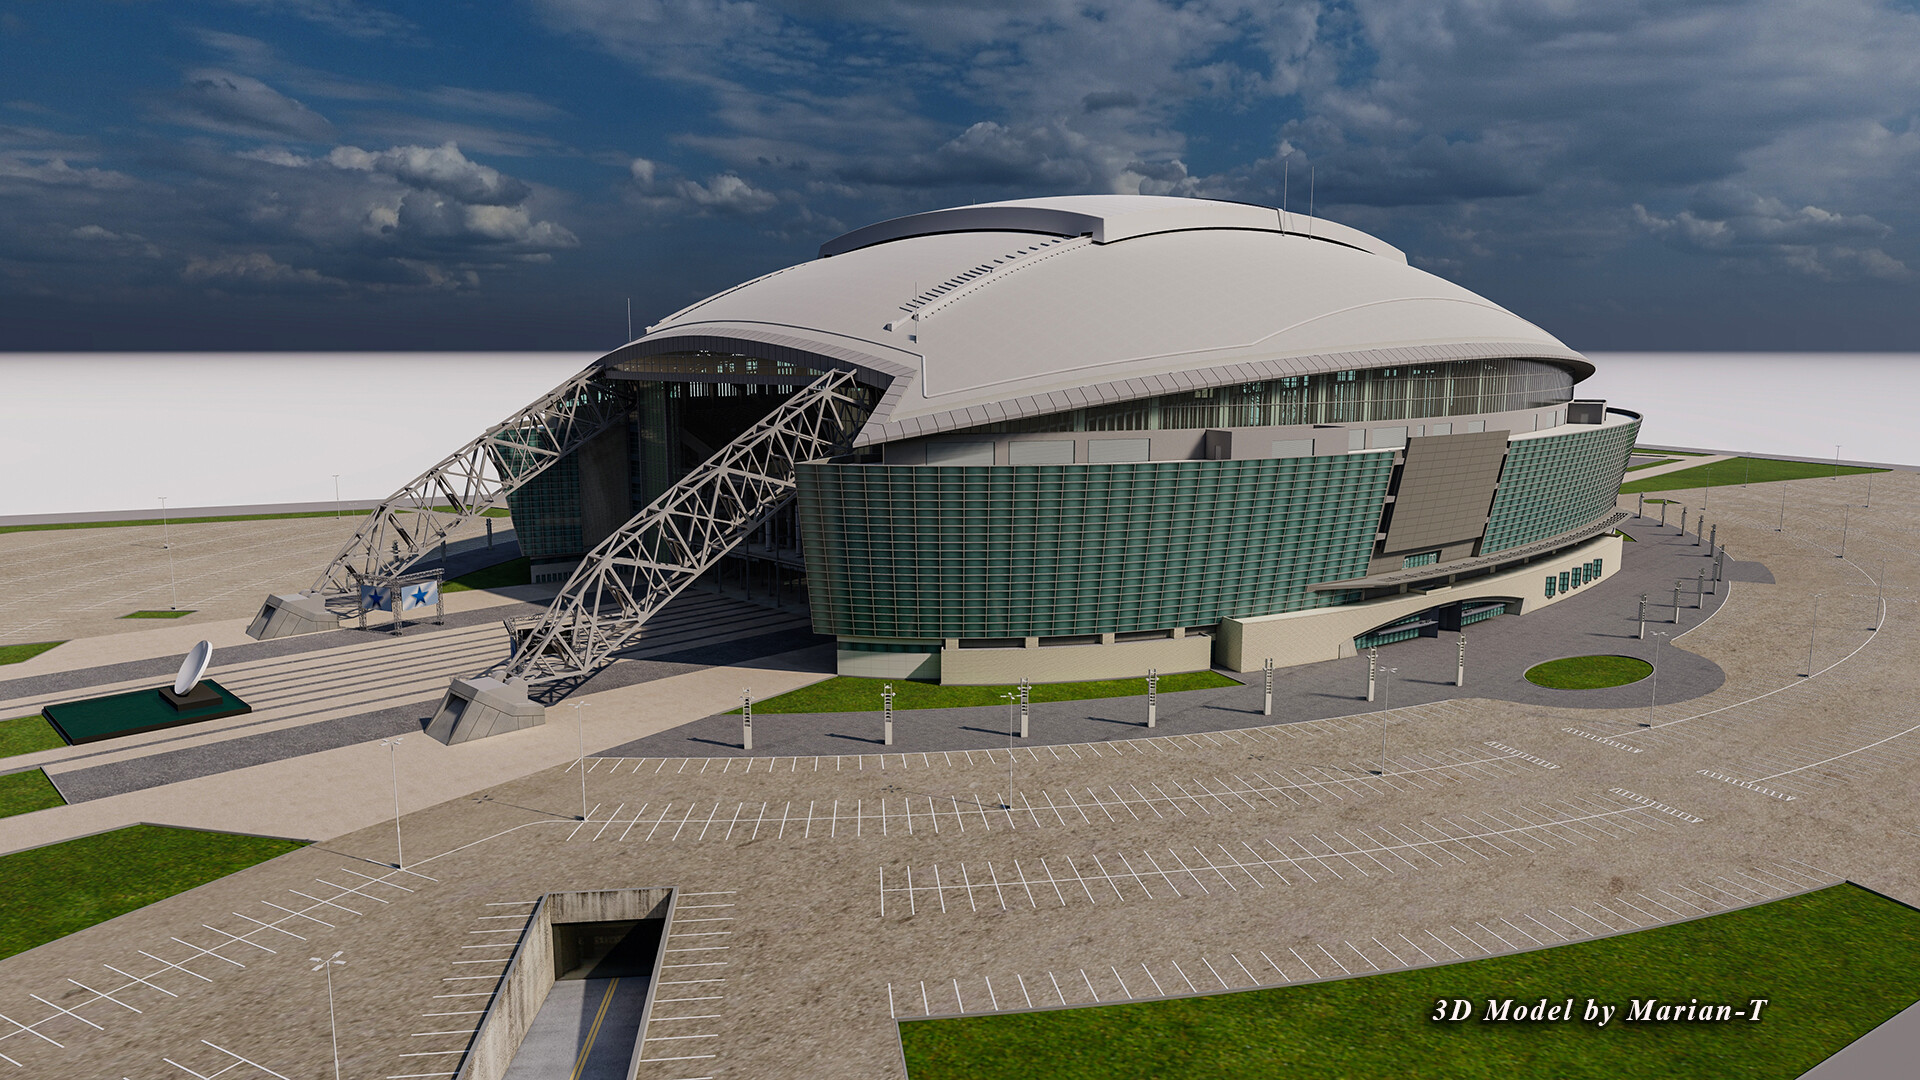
{"x": 828, "y": 886}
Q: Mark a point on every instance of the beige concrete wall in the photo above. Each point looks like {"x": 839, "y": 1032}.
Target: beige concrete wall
{"x": 1075, "y": 663}
{"x": 1307, "y": 637}
{"x": 529, "y": 975}
{"x": 887, "y": 665}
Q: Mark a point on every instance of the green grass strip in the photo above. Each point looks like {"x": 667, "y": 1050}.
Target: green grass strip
{"x": 1644, "y": 451}
{"x": 1649, "y": 465}
{"x": 178, "y": 613}
{"x": 1833, "y": 965}
{"x": 14, "y": 654}
{"x": 848, "y": 694}
{"x": 26, "y": 734}
{"x": 496, "y": 512}
{"x": 1740, "y": 470}
{"x": 1588, "y": 672}
{"x": 49, "y": 892}
{"x": 498, "y": 576}
{"x": 25, "y": 792}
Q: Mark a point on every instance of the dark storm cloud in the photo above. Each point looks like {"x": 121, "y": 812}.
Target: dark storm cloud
{"x": 1726, "y": 156}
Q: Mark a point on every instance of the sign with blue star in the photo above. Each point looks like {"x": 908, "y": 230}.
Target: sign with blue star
{"x": 376, "y": 598}
{"x": 422, "y": 594}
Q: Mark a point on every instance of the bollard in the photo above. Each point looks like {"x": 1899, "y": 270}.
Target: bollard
{"x": 1460, "y": 674}
{"x": 1700, "y": 590}
{"x": 1683, "y": 521}
{"x": 746, "y": 720}
{"x": 1699, "y": 526}
{"x": 1720, "y": 565}
{"x": 1641, "y": 510}
{"x": 1643, "y": 616}
{"x": 490, "y": 531}
{"x": 1153, "y": 686}
{"x": 1267, "y": 710}
{"x": 1025, "y": 687}
{"x": 1713, "y": 538}
{"x": 886, "y": 698}
{"x": 1676, "y": 603}
{"x": 1373, "y": 663}
{"x": 1663, "y": 513}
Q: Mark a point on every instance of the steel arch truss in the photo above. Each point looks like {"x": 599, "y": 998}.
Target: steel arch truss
{"x": 665, "y": 547}
{"x": 472, "y": 480}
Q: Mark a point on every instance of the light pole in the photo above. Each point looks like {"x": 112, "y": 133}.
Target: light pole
{"x": 1655, "y": 698}
{"x": 1843, "y": 534}
{"x": 1007, "y": 803}
{"x": 1836, "y": 462}
{"x": 336, "y": 496}
{"x": 580, "y": 742}
{"x": 1387, "y": 700}
{"x": 166, "y": 545}
{"x": 393, "y": 764}
{"x": 333, "y": 1028}
{"x": 1813, "y": 630}
{"x": 1782, "y": 526}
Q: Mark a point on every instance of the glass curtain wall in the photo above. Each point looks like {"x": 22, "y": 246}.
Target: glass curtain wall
{"x": 1454, "y": 388}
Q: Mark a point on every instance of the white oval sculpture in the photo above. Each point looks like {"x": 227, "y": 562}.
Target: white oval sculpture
{"x": 194, "y": 666}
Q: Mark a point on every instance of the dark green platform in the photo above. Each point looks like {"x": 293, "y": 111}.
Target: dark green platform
{"x": 131, "y": 713}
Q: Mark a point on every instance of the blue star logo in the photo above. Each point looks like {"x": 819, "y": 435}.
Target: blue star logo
{"x": 420, "y": 595}
{"x": 376, "y": 599}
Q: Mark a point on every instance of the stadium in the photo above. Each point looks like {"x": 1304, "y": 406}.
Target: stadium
{"x": 1052, "y": 439}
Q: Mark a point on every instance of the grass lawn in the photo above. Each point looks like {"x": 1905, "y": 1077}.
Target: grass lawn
{"x": 51, "y": 891}
{"x": 847, "y": 694}
{"x": 25, "y": 734}
{"x": 13, "y": 654}
{"x": 1650, "y": 464}
{"x": 25, "y": 792}
{"x": 1588, "y": 672}
{"x": 1833, "y": 964}
{"x": 175, "y": 614}
{"x": 498, "y": 576}
{"x": 1736, "y": 471}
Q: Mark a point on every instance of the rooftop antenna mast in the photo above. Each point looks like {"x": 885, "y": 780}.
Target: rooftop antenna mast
{"x": 1311, "y": 170}
{"x": 629, "y": 318}
{"x": 1286, "y": 165}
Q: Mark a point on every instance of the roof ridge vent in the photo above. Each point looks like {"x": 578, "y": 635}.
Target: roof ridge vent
{"x": 966, "y": 284}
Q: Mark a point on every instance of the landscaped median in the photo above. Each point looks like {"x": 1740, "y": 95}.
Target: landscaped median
{"x": 845, "y": 693}
{"x": 52, "y": 891}
{"x": 1588, "y": 672}
{"x": 1740, "y": 470}
{"x": 1825, "y": 968}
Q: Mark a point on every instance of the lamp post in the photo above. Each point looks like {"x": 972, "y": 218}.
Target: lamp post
{"x": 393, "y": 764}
{"x": 1843, "y": 534}
{"x": 1387, "y": 700}
{"x": 580, "y": 746}
{"x": 1813, "y": 629}
{"x": 1007, "y": 803}
{"x": 1836, "y": 462}
{"x": 1654, "y": 699}
{"x": 336, "y": 496}
{"x": 333, "y": 1028}
{"x": 166, "y": 545}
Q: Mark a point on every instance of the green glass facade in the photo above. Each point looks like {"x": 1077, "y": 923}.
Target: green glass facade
{"x": 1557, "y": 483}
{"x": 1065, "y": 550}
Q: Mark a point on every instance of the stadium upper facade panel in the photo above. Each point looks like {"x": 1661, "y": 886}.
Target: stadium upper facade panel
{"x": 1006, "y": 311}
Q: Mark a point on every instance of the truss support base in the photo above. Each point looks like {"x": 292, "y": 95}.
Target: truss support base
{"x": 287, "y": 614}
{"x": 476, "y": 708}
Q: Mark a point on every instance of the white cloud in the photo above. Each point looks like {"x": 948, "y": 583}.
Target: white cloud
{"x": 1744, "y": 226}
{"x": 224, "y": 101}
{"x": 253, "y": 271}
{"x": 55, "y": 172}
{"x": 341, "y": 16}
{"x": 437, "y": 168}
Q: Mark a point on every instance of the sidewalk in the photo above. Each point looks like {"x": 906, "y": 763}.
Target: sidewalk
{"x": 323, "y": 795}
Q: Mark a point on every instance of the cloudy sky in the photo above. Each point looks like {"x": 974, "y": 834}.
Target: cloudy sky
{"x": 390, "y": 174}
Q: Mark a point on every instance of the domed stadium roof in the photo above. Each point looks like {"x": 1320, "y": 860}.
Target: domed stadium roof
{"x": 992, "y": 312}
